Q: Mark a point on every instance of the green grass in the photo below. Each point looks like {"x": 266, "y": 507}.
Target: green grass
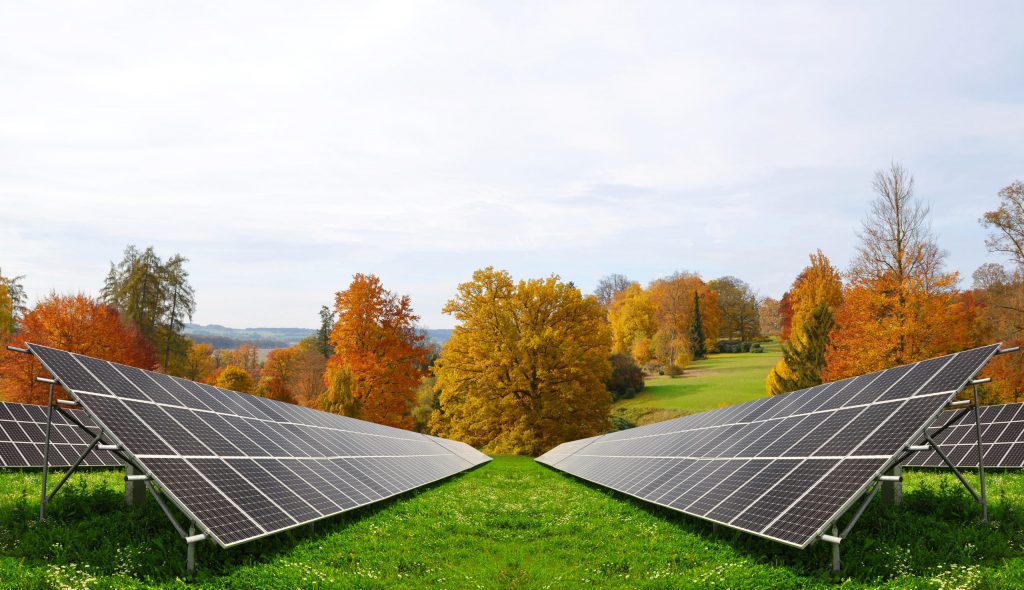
{"x": 717, "y": 381}
{"x": 510, "y": 524}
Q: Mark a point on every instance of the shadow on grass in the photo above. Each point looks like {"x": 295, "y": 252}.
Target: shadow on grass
{"x": 89, "y": 525}
{"x": 934, "y": 529}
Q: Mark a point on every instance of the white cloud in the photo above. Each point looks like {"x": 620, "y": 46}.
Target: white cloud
{"x": 284, "y": 148}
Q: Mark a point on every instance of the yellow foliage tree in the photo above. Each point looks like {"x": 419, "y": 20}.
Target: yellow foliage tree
{"x": 632, "y": 318}
{"x": 525, "y": 368}
{"x": 235, "y": 378}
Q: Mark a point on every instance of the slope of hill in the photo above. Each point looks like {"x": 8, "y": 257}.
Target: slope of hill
{"x": 720, "y": 380}
{"x": 511, "y": 523}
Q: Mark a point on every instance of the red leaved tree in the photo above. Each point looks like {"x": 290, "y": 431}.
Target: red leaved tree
{"x": 76, "y": 323}
{"x": 375, "y": 340}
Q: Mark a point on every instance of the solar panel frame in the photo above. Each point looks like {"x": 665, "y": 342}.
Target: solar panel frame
{"x": 1002, "y": 430}
{"x": 28, "y": 422}
{"x": 444, "y": 464}
{"x": 916, "y": 388}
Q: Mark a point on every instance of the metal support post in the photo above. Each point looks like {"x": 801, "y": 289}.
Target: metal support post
{"x": 190, "y": 554}
{"x": 134, "y": 488}
{"x": 46, "y": 453}
{"x": 837, "y": 563}
{"x": 892, "y": 486}
{"x": 981, "y": 455}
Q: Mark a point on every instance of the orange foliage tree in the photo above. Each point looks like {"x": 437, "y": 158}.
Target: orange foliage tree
{"x": 294, "y": 374}
{"x": 76, "y": 323}
{"x": 900, "y": 306}
{"x": 672, "y": 297}
{"x": 376, "y": 342}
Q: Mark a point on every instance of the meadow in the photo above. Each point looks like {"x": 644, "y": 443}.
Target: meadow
{"x": 512, "y": 523}
{"x": 717, "y": 381}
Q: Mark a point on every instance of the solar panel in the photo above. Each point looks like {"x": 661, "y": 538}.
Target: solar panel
{"x": 23, "y": 439}
{"x": 784, "y": 467}
{"x": 1002, "y": 436}
{"x": 241, "y": 466}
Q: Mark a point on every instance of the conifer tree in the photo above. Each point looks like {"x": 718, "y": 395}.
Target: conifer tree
{"x": 697, "y": 331}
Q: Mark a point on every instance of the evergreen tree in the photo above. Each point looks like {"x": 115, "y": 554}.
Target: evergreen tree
{"x": 155, "y": 296}
{"x": 323, "y": 335}
{"x": 804, "y": 355}
{"x": 12, "y": 303}
{"x": 697, "y": 331}
{"x": 182, "y": 304}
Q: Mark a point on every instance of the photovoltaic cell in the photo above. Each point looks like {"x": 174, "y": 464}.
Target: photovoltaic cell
{"x": 785, "y": 467}
{"x": 1002, "y": 428}
{"x": 25, "y": 423}
{"x": 240, "y": 466}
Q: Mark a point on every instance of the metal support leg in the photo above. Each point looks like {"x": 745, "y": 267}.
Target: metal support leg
{"x": 190, "y": 554}
{"x": 981, "y": 456}
{"x": 78, "y": 462}
{"x": 837, "y": 564}
{"x": 892, "y": 491}
{"x": 952, "y": 467}
{"x": 134, "y": 489}
{"x": 46, "y": 456}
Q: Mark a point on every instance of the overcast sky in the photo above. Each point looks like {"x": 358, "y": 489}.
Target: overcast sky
{"x": 283, "y": 147}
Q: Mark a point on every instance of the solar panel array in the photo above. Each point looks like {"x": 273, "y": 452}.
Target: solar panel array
{"x": 782, "y": 467}
{"x": 241, "y": 466}
{"x": 1002, "y": 437}
{"x": 23, "y": 439}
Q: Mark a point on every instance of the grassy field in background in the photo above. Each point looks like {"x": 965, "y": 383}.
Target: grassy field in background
{"x": 512, "y": 523}
{"x": 719, "y": 380}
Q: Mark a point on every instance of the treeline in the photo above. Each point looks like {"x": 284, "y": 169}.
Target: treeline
{"x": 897, "y": 303}
{"x": 680, "y": 318}
{"x": 535, "y": 362}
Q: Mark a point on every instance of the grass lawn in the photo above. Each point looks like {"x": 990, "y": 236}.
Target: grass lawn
{"x": 512, "y": 523}
{"x": 720, "y": 380}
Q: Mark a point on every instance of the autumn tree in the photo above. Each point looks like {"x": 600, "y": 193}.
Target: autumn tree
{"x": 76, "y": 323}
{"x": 1007, "y": 221}
{"x": 738, "y": 307}
{"x": 771, "y": 317}
{"x": 999, "y": 298}
{"x": 608, "y": 287}
{"x": 526, "y": 366}
{"x": 900, "y": 306}
{"x": 198, "y": 364}
{"x": 339, "y": 395}
{"x": 276, "y": 376}
{"x": 676, "y": 297}
{"x": 12, "y": 304}
{"x": 245, "y": 356}
{"x": 376, "y": 341}
{"x": 632, "y": 319}
{"x": 235, "y": 378}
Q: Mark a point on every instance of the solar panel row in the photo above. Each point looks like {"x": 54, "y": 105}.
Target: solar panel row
{"x": 243, "y": 466}
{"x": 1002, "y": 437}
{"x": 782, "y": 467}
{"x": 23, "y": 437}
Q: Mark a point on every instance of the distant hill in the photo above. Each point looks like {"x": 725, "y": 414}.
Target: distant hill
{"x": 223, "y": 337}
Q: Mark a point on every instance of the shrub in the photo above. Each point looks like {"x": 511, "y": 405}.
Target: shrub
{"x": 627, "y": 379}
{"x": 620, "y": 423}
